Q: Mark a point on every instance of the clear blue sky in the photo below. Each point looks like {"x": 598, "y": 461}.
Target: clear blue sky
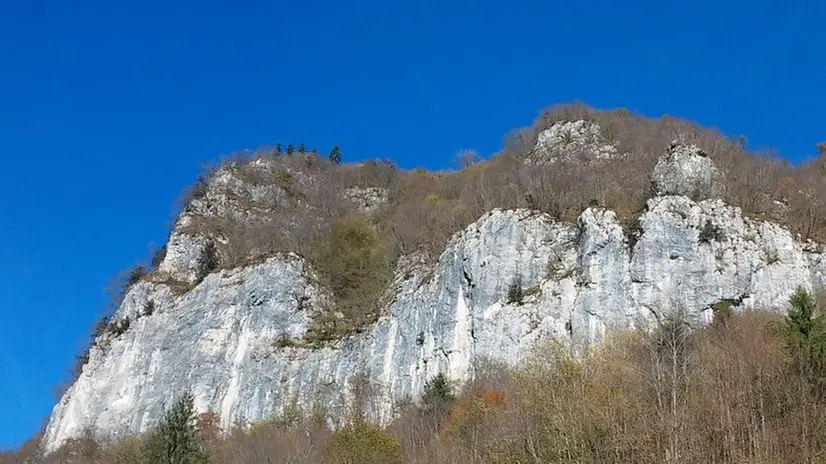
{"x": 107, "y": 110}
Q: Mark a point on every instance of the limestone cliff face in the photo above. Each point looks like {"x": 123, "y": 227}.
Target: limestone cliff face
{"x": 579, "y": 279}
{"x": 569, "y": 140}
{"x": 218, "y": 339}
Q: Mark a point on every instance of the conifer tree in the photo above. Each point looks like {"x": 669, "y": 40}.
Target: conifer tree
{"x": 175, "y": 439}
{"x": 290, "y": 149}
{"x": 335, "y": 155}
{"x": 437, "y": 392}
{"x": 278, "y": 149}
{"x": 806, "y": 339}
{"x": 301, "y": 148}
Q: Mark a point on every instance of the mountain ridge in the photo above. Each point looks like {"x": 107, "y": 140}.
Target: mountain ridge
{"x": 625, "y": 266}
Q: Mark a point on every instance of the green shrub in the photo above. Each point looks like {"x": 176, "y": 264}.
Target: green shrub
{"x": 118, "y": 328}
{"x": 722, "y": 312}
{"x": 199, "y": 190}
{"x": 356, "y": 270}
{"x": 284, "y": 341}
{"x": 364, "y": 443}
{"x": 135, "y": 275}
{"x": 326, "y": 326}
{"x": 710, "y": 232}
{"x": 633, "y": 230}
{"x": 208, "y": 261}
{"x": 99, "y": 328}
{"x": 515, "y": 292}
{"x": 285, "y": 178}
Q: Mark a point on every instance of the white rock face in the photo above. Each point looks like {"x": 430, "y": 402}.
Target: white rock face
{"x": 570, "y": 139}
{"x": 225, "y": 196}
{"x": 685, "y": 170}
{"x": 580, "y": 280}
{"x": 184, "y": 253}
{"x": 367, "y": 199}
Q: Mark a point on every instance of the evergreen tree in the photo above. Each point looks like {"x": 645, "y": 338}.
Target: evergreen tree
{"x": 301, "y": 148}
{"x": 290, "y": 149}
{"x": 335, "y": 155}
{"x": 515, "y": 292}
{"x": 806, "y": 339}
{"x": 175, "y": 439}
{"x": 278, "y": 149}
{"x": 437, "y": 392}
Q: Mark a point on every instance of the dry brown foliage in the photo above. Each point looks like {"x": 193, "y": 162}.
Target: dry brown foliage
{"x": 725, "y": 393}
{"x": 424, "y": 209}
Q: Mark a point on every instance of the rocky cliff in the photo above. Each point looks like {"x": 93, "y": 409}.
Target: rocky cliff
{"x": 577, "y": 280}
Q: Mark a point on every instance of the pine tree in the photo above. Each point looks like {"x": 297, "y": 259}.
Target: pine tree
{"x": 515, "y": 292}
{"x": 335, "y": 155}
{"x": 175, "y": 439}
{"x": 806, "y": 339}
{"x": 290, "y": 149}
{"x": 278, "y": 149}
{"x": 437, "y": 392}
{"x": 301, "y": 148}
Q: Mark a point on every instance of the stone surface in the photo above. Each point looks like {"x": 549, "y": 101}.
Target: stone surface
{"x": 570, "y": 139}
{"x": 685, "y": 170}
{"x": 184, "y": 253}
{"x": 367, "y": 199}
{"x": 579, "y": 279}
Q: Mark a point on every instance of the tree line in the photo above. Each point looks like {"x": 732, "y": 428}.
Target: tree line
{"x": 334, "y": 156}
{"x": 748, "y": 388}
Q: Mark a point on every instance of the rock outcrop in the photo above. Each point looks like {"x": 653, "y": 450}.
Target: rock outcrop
{"x": 686, "y": 170}
{"x": 569, "y": 139}
{"x": 367, "y": 200}
{"x": 579, "y": 280}
{"x": 228, "y": 335}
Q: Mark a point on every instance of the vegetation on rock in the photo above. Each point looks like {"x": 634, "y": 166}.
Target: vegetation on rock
{"x": 515, "y": 291}
{"x": 363, "y": 442}
{"x": 356, "y": 272}
{"x": 749, "y": 390}
{"x": 335, "y": 155}
{"x": 424, "y": 209}
{"x": 306, "y": 211}
{"x": 437, "y": 392}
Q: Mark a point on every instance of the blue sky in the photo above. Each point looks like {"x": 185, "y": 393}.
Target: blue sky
{"x": 107, "y": 110}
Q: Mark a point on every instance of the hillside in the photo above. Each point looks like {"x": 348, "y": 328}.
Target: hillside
{"x": 286, "y": 278}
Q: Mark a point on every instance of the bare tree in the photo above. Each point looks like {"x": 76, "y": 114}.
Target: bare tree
{"x": 466, "y": 158}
